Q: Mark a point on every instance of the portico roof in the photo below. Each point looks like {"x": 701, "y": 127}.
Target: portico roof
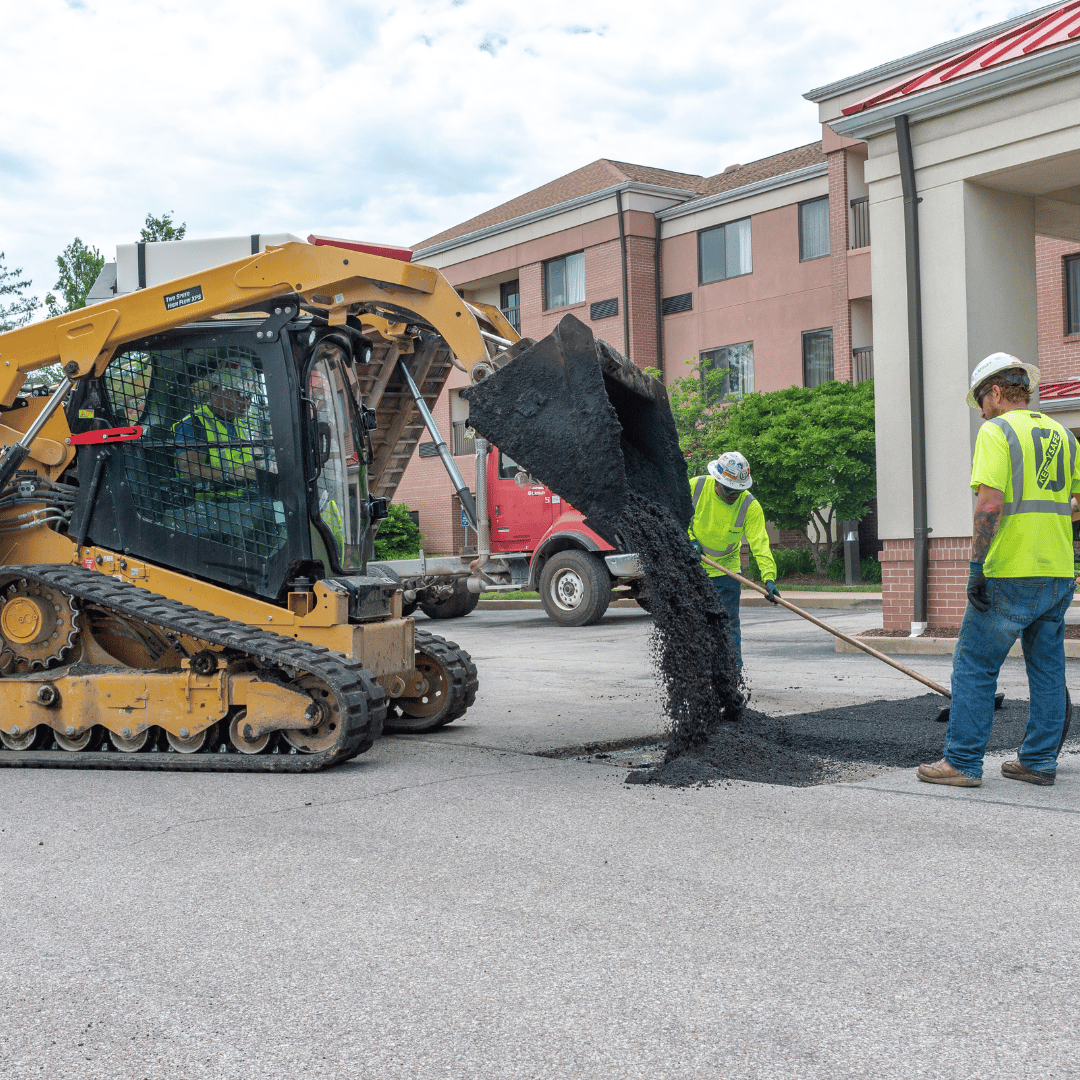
{"x": 1048, "y": 30}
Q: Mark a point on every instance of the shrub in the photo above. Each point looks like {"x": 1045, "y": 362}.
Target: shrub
{"x": 869, "y": 570}
{"x": 398, "y": 536}
{"x": 788, "y": 561}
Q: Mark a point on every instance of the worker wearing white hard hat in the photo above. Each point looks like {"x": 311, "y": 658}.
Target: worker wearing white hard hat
{"x": 1020, "y": 582}
{"x": 724, "y": 514}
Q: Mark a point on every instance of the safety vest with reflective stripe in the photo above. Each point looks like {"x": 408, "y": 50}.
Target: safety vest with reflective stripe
{"x": 720, "y": 529}
{"x": 1033, "y": 460}
{"x": 217, "y": 431}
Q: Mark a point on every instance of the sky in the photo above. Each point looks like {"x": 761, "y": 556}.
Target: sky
{"x": 393, "y": 121}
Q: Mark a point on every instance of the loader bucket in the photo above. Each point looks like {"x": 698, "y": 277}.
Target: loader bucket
{"x": 587, "y": 423}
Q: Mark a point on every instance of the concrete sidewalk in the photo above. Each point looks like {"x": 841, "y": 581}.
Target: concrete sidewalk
{"x": 455, "y": 906}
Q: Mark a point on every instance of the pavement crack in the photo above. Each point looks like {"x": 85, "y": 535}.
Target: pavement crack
{"x": 976, "y": 801}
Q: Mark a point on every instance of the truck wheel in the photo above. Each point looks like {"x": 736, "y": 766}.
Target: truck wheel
{"x": 461, "y": 603}
{"x": 575, "y": 588}
{"x": 644, "y": 602}
{"x": 409, "y": 608}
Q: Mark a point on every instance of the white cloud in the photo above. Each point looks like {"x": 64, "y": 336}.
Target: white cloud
{"x": 395, "y": 122}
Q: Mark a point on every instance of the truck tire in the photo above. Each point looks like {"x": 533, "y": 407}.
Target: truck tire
{"x": 461, "y": 603}
{"x": 575, "y": 588}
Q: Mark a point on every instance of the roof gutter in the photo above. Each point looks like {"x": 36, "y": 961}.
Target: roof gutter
{"x": 915, "y": 375}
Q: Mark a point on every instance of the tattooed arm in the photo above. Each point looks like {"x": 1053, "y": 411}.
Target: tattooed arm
{"x": 988, "y": 508}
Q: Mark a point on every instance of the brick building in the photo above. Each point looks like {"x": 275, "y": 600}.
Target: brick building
{"x": 764, "y": 268}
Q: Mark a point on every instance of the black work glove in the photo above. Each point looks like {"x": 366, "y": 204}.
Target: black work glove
{"x": 698, "y": 549}
{"x": 771, "y": 591}
{"x": 977, "y": 595}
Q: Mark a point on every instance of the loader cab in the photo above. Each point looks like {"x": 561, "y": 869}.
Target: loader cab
{"x": 250, "y": 471}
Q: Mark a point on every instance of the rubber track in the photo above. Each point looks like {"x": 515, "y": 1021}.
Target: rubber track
{"x": 362, "y": 699}
{"x": 460, "y": 672}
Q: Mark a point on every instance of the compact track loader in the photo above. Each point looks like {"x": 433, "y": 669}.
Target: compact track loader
{"x": 186, "y": 520}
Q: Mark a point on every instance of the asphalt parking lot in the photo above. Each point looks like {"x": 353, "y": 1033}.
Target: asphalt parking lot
{"x": 464, "y": 905}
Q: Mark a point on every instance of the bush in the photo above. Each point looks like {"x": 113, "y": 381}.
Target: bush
{"x": 869, "y": 570}
{"x": 788, "y": 561}
{"x": 398, "y": 536}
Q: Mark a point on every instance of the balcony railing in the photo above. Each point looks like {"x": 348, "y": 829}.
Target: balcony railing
{"x": 862, "y": 363}
{"x": 513, "y": 316}
{"x": 860, "y": 222}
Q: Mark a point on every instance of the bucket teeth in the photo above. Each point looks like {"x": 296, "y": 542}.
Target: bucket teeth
{"x": 583, "y": 419}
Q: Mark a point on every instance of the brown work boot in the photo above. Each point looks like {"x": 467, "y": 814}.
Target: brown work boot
{"x": 941, "y": 772}
{"x": 1013, "y": 770}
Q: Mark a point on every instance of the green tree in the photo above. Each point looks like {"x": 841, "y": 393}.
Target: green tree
{"x": 811, "y": 451}
{"x": 398, "y": 536}
{"x": 16, "y": 306}
{"x": 161, "y": 228}
{"x": 79, "y": 267}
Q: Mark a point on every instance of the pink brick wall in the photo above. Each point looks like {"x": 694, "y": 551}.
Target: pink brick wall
{"x": 1059, "y": 355}
{"x": 947, "y": 581}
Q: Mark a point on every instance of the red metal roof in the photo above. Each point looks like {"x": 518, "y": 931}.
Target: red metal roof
{"x": 1056, "y": 391}
{"x": 1047, "y": 31}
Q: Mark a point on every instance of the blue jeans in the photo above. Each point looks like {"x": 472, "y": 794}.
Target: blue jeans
{"x": 729, "y": 591}
{"x": 1032, "y": 609}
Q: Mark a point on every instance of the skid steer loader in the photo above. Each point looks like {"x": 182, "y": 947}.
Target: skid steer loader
{"x": 186, "y": 519}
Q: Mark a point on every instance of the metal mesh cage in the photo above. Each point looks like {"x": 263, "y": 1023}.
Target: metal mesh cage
{"x": 205, "y": 464}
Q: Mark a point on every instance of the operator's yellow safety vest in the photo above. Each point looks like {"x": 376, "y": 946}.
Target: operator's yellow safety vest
{"x": 1033, "y": 460}
{"x": 720, "y": 528}
{"x": 217, "y": 431}
{"x": 333, "y": 520}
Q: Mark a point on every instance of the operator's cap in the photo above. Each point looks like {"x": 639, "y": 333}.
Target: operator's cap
{"x": 732, "y": 470}
{"x": 996, "y": 364}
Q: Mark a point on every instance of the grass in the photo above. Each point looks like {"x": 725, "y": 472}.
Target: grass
{"x": 512, "y": 594}
{"x": 864, "y": 587}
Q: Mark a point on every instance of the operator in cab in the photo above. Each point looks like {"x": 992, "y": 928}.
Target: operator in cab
{"x": 213, "y": 442}
{"x": 724, "y": 513}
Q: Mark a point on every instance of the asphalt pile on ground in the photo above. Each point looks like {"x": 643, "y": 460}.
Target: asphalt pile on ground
{"x": 819, "y": 747}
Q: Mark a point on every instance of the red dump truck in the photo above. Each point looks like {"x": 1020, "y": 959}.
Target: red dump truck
{"x": 526, "y": 538}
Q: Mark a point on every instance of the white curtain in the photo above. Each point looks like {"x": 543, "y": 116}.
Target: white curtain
{"x": 575, "y": 278}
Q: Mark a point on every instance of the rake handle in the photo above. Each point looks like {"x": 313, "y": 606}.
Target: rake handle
{"x": 937, "y": 688}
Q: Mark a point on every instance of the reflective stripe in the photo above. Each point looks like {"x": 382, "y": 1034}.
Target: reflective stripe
{"x": 716, "y": 553}
{"x": 740, "y": 517}
{"x": 699, "y": 487}
{"x": 1019, "y": 504}
{"x": 1016, "y": 464}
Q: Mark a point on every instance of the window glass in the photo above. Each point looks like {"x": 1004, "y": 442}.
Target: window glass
{"x": 339, "y": 439}
{"x": 564, "y": 281}
{"x": 814, "y": 229}
{"x": 1072, "y": 295}
{"x": 725, "y": 251}
{"x": 817, "y": 357}
{"x": 508, "y": 467}
{"x": 738, "y": 362}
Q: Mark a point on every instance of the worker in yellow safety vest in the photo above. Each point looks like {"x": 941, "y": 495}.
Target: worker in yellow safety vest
{"x": 213, "y": 441}
{"x": 724, "y": 513}
{"x": 1020, "y": 581}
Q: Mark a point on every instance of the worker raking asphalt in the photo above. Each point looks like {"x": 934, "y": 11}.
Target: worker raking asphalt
{"x": 600, "y": 433}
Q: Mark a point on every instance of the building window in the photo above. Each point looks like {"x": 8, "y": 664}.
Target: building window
{"x": 510, "y": 303}
{"x": 814, "y": 229}
{"x": 564, "y": 281}
{"x": 817, "y": 362}
{"x": 724, "y": 252}
{"x": 1072, "y": 295}
{"x": 738, "y": 361}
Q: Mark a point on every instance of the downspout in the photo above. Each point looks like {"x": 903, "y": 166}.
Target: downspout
{"x": 915, "y": 374}
{"x": 625, "y": 291}
{"x": 659, "y": 299}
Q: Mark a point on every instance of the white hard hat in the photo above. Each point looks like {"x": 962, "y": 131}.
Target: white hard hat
{"x": 994, "y": 364}
{"x": 732, "y": 470}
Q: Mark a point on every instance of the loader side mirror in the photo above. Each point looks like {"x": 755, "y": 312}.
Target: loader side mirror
{"x": 324, "y": 443}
